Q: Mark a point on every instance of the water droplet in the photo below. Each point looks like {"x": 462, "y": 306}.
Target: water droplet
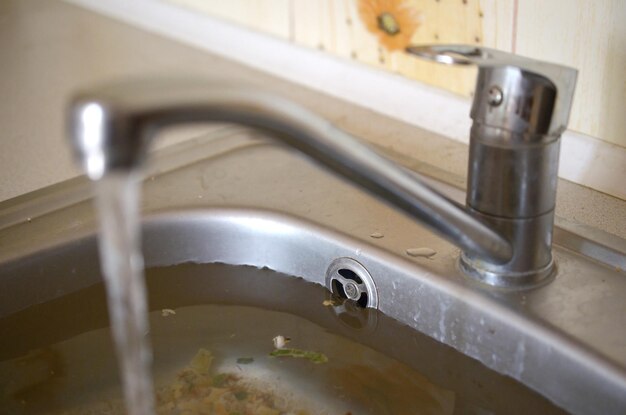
{"x": 377, "y": 235}
{"x": 416, "y": 316}
{"x": 421, "y": 252}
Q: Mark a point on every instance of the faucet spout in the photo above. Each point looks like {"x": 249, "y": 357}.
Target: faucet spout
{"x": 112, "y": 126}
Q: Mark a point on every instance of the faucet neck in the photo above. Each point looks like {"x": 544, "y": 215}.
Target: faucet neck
{"x": 128, "y": 115}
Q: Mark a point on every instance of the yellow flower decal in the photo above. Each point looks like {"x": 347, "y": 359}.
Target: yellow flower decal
{"x": 393, "y": 21}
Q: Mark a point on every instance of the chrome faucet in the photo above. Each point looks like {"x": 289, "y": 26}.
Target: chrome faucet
{"x": 520, "y": 109}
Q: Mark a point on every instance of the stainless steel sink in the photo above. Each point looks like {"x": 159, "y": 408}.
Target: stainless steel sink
{"x": 234, "y": 198}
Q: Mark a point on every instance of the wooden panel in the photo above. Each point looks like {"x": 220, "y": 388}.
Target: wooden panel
{"x": 337, "y": 27}
{"x": 591, "y": 36}
{"x": 268, "y": 16}
{"x": 325, "y": 25}
{"x": 498, "y": 23}
{"x": 333, "y": 26}
{"x": 587, "y": 34}
{"x": 444, "y": 22}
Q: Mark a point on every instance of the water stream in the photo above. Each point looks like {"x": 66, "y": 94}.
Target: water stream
{"x": 117, "y": 204}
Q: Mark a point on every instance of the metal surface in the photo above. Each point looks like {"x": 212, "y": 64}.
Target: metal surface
{"x": 537, "y": 95}
{"x": 111, "y": 126}
{"x": 520, "y": 108}
{"x": 560, "y": 339}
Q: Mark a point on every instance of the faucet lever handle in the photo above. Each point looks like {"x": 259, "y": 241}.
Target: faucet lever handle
{"x": 519, "y": 94}
{"x": 451, "y": 54}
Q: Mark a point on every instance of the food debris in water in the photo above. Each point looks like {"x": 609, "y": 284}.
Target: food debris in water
{"x": 245, "y": 360}
{"x": 280, "y": 341}
{"x": 167, "y": 312}
{"x": 199, "y": 390}
{"x": 376, "y": 235}
{"x": 328, "y": 303}
{"x": 315, "y": 357}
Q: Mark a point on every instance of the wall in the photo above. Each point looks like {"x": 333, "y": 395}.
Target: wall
{"x": 587, "y": 34}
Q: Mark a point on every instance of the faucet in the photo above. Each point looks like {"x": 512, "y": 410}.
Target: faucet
{"x": 520, "y": 108}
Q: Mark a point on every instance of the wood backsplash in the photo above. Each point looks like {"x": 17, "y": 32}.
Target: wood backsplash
{"x": 587, "y": 34}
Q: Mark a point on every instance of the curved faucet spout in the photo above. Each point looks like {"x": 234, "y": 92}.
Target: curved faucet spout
{"x": 111, "y": 127}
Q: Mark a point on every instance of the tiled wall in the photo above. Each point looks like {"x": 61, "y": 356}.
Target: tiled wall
{"x": 587, "y": 34}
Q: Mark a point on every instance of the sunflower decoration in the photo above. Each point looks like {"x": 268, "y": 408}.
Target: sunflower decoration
{"x": 393, "y": 21}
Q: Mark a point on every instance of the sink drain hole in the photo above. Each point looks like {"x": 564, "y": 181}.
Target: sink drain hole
{"x": 363, "y": 300}
{"x": 348, "y": 292}
{"x": 337, "y": 289}
{"x": 348, "y": 279}
{"x": 349, "y": 274}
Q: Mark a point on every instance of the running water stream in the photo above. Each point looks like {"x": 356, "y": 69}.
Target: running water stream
{"x": 117, "y": 204}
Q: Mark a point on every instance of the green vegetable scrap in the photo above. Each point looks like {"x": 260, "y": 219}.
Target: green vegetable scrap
{"x": 315, "y": 357}
{"x": 220, "y": 379}
{"x": 245, "y": 360}
{"x": 201, "y": 363}
{"x": 241, "y": 395}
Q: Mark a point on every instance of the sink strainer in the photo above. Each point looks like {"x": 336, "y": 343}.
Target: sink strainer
{"x": 347, "y": 278}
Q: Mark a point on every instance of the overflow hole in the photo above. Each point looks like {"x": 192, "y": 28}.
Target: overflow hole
{"x": 338, "y": 289}
{"x": 351, "y": 275}
{"x": 348, "y": 279}
{"x": 363, "y": 300}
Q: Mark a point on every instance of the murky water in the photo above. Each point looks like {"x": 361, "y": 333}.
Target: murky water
{"x": 212, "y": 328}
{"x": 117, "y": 204}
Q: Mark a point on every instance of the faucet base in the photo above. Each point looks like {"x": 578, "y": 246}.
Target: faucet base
{"x": 478, "y": 270}
{"x": 532, "y": 263}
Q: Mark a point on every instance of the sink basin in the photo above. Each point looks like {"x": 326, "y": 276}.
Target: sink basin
{"x": 228, "y": 310}
{"x": 234, "y": 198}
